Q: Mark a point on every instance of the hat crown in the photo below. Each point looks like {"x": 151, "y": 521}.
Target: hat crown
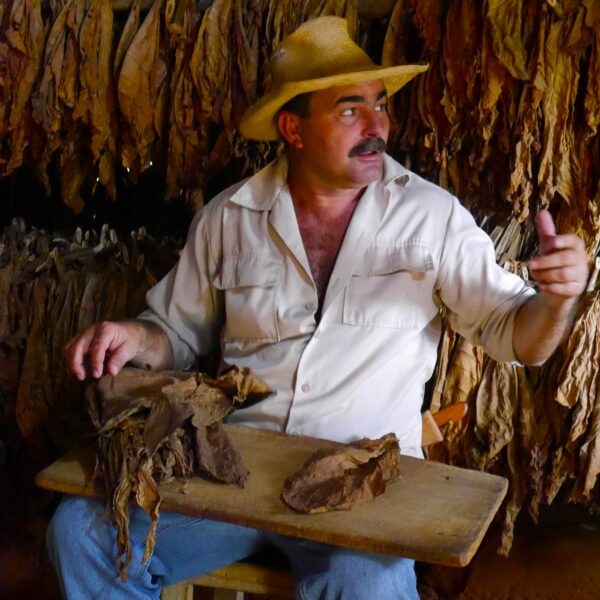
{"x": 318, "y": 48}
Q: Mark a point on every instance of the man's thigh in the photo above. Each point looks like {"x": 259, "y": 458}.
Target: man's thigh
{"x": 190, "y": 546}
{"x": 82, "y": 539}
{"x": 325, "y": 572}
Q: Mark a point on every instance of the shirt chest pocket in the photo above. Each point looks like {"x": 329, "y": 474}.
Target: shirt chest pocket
{"x": 390, "y": 288}
{"x": 249, "y": 283}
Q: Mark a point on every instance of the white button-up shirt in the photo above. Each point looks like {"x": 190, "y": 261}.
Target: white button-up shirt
{"x": 243, "y": 281}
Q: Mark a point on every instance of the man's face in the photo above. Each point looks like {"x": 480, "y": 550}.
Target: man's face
{"x": 342, "y": 140}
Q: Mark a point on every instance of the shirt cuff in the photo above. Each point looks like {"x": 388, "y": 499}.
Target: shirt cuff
{"x": 183, "y": 357}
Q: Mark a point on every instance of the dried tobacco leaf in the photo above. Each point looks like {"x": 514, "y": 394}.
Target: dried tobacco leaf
{"x": 217, "y": 457}
{"x": 96, "y": 101}
{"x": 183, "y": 166}
{"x": 141, "y": 81}
{"x": 154, "y": 426}
{"x": 21, "y": 52}
{"x": 505, "y": 18}
{"x": 48, "y": 300}
{"x": 31, "y": 408}
{"x": 496, "y": 403}
{"x": 341, "y": 478}
{"x": 559, "y": 159}
{"x": 127, "y": 35}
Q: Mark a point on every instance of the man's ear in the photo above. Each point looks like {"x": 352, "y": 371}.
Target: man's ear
{"x": 289, "y": 128}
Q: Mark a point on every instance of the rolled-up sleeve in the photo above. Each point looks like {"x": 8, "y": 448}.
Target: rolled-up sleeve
{"x": 185, "y": 304}
{"x": 481, "y": 297}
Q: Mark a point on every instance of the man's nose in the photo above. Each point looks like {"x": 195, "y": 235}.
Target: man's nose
{"x": 375, "y": 123}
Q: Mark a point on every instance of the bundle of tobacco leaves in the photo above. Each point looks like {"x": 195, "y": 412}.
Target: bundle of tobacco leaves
{"x": 162, "y": 86}
{"x": 507, "y": 115}
{"x": 339, "y": 479}
{"x": 155, "y": 426}
{"x": 507, "y": 119}
{"x": 51, "y": 287}
{"x": 538, "y": 427}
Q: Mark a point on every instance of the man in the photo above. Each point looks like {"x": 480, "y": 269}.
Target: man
{"x": 325, "y": 273}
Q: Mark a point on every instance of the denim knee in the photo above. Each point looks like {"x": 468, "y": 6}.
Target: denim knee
{"x": 352, "y": 575}
{"x": 69, "y": 526}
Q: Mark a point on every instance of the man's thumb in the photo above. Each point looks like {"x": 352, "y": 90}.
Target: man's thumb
{"x": 544, "y": 225}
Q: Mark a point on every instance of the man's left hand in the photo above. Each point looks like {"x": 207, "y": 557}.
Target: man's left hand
{"x": 561, "y": 268}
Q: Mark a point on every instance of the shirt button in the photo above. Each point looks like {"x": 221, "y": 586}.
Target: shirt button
{"x": 305, "y": 388}
{"x": 310, "y": 306}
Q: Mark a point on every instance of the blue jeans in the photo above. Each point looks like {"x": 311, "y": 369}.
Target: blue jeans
{"x": 82, "y": 547}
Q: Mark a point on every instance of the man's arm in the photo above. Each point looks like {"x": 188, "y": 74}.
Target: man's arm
{"x": 561, "y": 271}
{"x": 107, "y": 346}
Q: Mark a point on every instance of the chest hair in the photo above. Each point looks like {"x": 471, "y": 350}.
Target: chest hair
{"x": 322, "y": 236}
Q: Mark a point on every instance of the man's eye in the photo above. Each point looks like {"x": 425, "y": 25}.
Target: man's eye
{"x": 381, "y": 107}
{"x": 348, "y": 112}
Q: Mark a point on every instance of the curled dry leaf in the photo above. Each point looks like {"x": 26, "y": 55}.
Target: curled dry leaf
{"x": 154, "y": 426}
{"x": 341, "y": 478}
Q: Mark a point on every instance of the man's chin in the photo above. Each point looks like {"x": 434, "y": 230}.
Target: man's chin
{"x": 368, "y": 171}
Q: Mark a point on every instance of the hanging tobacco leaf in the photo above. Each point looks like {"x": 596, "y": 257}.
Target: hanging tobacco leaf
{"x": 141, "y": 82}
{"x": 21, "y": 49}
{"x": 505, "y": 19}
{"x": 184, "y": 166}
{"x": 96, "y": 103}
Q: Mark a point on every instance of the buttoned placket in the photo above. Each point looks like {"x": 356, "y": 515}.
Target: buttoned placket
{"x": 360, "y": 233}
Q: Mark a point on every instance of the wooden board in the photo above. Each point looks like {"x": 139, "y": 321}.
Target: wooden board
{"x": 434, "y": 513}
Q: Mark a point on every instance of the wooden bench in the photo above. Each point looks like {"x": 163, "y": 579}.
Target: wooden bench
{"x": 232, "y": 581}
{"x": 435, "y": 513}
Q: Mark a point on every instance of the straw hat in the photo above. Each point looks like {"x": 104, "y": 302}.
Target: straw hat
{"x": 320, "y": 54}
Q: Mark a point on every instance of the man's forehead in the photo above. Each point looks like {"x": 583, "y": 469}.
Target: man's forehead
{"x": 369, "y": 90}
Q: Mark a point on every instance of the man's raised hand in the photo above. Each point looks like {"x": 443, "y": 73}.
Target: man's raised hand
{"x": 561, "y": 268}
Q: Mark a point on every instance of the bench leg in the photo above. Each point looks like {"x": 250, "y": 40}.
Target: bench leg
{"x": 228, "y": 595}
{"x": 178, "y": 591}
{"x": 185, "y": 591}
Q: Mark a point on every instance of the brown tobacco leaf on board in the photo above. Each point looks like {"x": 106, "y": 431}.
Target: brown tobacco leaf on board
{"x": 154, "y": 426}
{"x": 344, "y": 477}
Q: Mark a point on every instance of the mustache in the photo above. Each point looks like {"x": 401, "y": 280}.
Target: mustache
{"x": 371, "y": 144}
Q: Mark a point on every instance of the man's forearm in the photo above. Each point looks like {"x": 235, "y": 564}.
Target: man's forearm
{"x": 540, "y": 325}
{"x": 154, "y": 346}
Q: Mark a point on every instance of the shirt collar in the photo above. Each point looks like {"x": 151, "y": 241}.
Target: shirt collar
{"x": 394, "y": 172}
{"x": 260, "y": 191}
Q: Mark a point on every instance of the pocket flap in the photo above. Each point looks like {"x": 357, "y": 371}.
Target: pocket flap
{"x": 382, "y": 260}
{"x": 247, "y": 270}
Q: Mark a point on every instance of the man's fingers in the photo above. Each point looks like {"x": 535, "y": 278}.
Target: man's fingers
{"x": 559, "y": 275}
{"x": 563, "y": 242}
{"x": 100, "y": 344}
{"x": 77, "y": 349}
{"x": 562, "y": 258}
{"x": 120, "y": 356}
{"x": 561, "y": 267}
{"x": 566, "y": 290}
{"x": 544, "y": 225}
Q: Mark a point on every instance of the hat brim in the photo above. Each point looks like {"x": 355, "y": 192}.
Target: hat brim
{"x": 259, "y": 123}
